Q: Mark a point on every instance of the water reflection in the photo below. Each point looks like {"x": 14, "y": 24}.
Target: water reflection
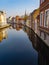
{"x": 3, "y": 34}
{"x": 16, "y": 26}
{"x": 40, "y": 46}
{"x": 25, "y": 49}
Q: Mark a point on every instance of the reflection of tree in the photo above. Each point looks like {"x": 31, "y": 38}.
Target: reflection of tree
{"x": 3, "y": 34}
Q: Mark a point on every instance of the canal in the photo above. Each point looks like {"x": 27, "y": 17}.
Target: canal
{"x": 19, "y": 45}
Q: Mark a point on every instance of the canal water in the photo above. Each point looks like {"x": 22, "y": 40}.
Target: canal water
{"x": 19, "y": 45}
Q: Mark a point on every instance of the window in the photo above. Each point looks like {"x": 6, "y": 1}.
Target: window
{"x": 42, "y": 1}
{"x": 47, "y": 18}
{"x": 41, "y": 18}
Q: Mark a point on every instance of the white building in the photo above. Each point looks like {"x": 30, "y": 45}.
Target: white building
{"x": 2, "y": 18}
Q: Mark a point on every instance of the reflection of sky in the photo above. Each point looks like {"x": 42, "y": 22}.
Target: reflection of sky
{"x": 15, "y": 7}
{"x": 18, "y": 48}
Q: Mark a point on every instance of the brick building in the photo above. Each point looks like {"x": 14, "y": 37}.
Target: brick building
{"x": 44, "y": 13}
{"x": 44, "y": 21}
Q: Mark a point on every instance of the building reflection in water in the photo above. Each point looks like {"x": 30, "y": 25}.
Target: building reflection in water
{"x": 17, "y": 27}
{"x": 40, "y": 46}
{"x": 37, "y": 43}
{"x": 3, "y": 34}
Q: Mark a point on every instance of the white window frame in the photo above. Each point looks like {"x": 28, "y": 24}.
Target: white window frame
{"x": 41, "y": 20}
{"x": 45, "y": 18}
{"x": 42, "y": 1}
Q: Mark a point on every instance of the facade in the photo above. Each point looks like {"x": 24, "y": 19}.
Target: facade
{"x": 28, "y": 21}
{"x": 44, "y": 21}
{"x": 21, "y": 20}
{"x": 44, "y": 13}
{"x": 2, "y": 18}
{"x": 9, "y": 20}
{"x": 32, "y": 21}
{"x": 13, "y": 20}
{"x": 17, "y": 19}
{"x": 35, "y": 20}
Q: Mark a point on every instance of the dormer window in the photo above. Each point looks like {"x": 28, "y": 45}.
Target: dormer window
{"x": 42, "y": 1}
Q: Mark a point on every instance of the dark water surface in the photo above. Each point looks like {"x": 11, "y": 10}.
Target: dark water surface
{"x": 19, "y": 45}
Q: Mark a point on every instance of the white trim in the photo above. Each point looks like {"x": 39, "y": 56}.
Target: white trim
{"x": 41, "y": 22}
{"x": 42, "y": 1}
{"x": 45, "y": 17}
{"x": 47, "y": 10}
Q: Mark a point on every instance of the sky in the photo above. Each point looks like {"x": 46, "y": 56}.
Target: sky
{"x": 18, "y": 7}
